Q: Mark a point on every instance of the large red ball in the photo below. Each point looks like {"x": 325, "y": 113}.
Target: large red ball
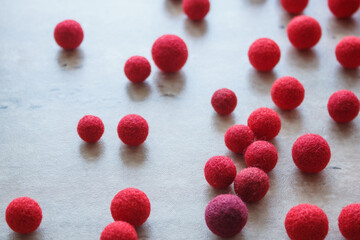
{"x": 287, "y": 93}
{"x": 137, "y": 69}
{"x": 343, "y": 106}
{"x": 349, "y": 222}
{"x": 169, "y": 53}
{"x": 196, "y": 9}
{"x": 294, "y": 6}
{"x": 343, "y": 8}
{"x": 238, "y": 138}
{"x": 119, "y": 230}
{"x": 133, "y": 130}
{"x": 224, "y": 101}
{"x": 23, "y": 215}
{"x": 261, "y": 154}
{"x": 90, "y": 128}
{"x": 348, "y": 52}
{"x": 264, "y": 54}
{"x": 68, "y": 34}
{"x": 220, "y": 171}
{"x": 130, "y": 205}
{"x": 306, "y": 222}
{"x": 265, "y": 123}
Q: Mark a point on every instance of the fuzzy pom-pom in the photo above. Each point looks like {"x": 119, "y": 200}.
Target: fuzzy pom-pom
{"x": 224, "y": 101}
{"x": 264, "y": 54}
{"x": 349, "y": 222}
{"x": 196, "y": 9}
{"x": 68, "y": 34}
{"x": 265, "y": 123}
{"x": 287, "y": 93}
{"x": 347, "y": 52}
{"x": 304, "y": 32}
{"x": 226, "y": 215}
{"x": 119, "y": 230}
{"x": 220, "y": 171}
{"x": 311, "y": 153}
{"x": 90, "y": 128}
{"x": 343, "y": 106}
{"x": 251, "y": 184}
{"x": 261, "y": 154}
{"x": 137, "y": 69}
{"x": 294, "y": 6}
{"x": 343, "y": 8}
{"x": 23, "y": 215}
{"x": 238, "y": 138}
{"x": 133, "y": 130}
{"x": 169, "y": 53}
{"x": 131, "y": 205}
{"x": 306, "y": 222}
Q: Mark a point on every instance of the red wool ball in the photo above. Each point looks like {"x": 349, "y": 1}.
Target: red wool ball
{"x": 23, "y": 215}
{"x": 224, "y": 101}
{"x": 311, "y": 153}
{"x": 137, "y": 69}
{"x": 261, "y": 154}
{"x": 305, "y": 222}
{"x": 265, "y": 123}
{"x": 119, "y": 230}
{"x": 294, "y": 6}
{"x": 343, "y": 106}
{"x": 220, "y": 171}
{"x": 304, "y": 32}
{"x": 238, "y": 138}
{"x": 169, "y": 53}
{"x": 348, "y": 52}
{"x": 343, "y": 8}
{"x": 287, "y": 93}
{"x": 251, "y": 184}
{"x": 196, "y": 9}
{"x": 349, "y": 222}
{"x": 130, "y": 205}
{"x": 90, "y": 128}
{"x": 133, "y": 130}
{"x": 68, "y": 34}
{"x": 226, "y": 215}
{"x": 264, "y": 54}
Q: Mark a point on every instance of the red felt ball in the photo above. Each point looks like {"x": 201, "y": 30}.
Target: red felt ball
{"x": 220, "y": 171}
{"x": 304, "y": 32}
{"x": 294, "y": 6}
{"x": 224, "y": 101}
{"x": 251, "y": 184}
{"x": 343, "y": 106}
{"x": 68, "y": 34}
{"x": 169, "y": 53}
{"x": 238, "y": 138}
{"x": 287, "y": 93}
{"x": 133, "y": 130}
{"x": 343, "y": 8}
{"x": 261, "y": 154}
{"x": 349, "y": 222}
{"x": 137, "y": 69}
{"x": 226, "y": 215}
{"x": 196, "y": 9}
{"x": 265, "y": 123}
{"x": 119, "y": 230}
{"x": 90, "y": 128}
{"x": 348, "y": 52}
{"x": 130, "y": 205}
{"x": 264, "y": 54}
{"x": 306, "y": 222}
{"x": 311, "y": 153}
{"x": 23, "y": 215}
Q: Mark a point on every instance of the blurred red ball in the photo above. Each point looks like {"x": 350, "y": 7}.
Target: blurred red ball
{"x": 196, "y": 9}
{"x": 343, "y": 106}
{"x": 224, "y": 101}
{"x": 68, "y": 34}
{"x": 133, "y": 130}
{"x": 287, "y": 93}
{"x": 348, "y": 52}
{"x": 349, "y": 222}
{"x": 343, "y": 8}
{"x": 294, "y": 6}
{"x": 264, "y": 54}
{"x": 238, "y": 138}
{"x": 261, "y": 154}
{"x": 265, "y": 123}
{"x": 137, "y": 69}
{"x": 90, "y": 128}
{"x": 119, "y": 230}
{"x": 304, "y": 32}
{"x": 220, "y": 171}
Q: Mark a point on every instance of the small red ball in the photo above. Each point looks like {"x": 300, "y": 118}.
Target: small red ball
{"x": 294, "y": 6}
{"x": 130, "y": 205}
{"x": 261, "y": 154}
{"x": 311, "y": 153}
{"x": 119, "y": 230}
{"x": 343, "y": 8}
{"x": 196, "y": 9}
{"x": 287, "y": 93}
{"x": 68, "y": 34}
{"x": 169, "y": 53}
{"x": 133, "y": 130}
{"x": 23, "y": 215}
{"x": 265, "y": 123}
{"x": 349, "y": 222}
{"x": 264, "y": 54}
{"x": 238, "y": 138}
{"x": 304, "y": 32}
{"x": 305, "y": 222}
{"x": 137, "y": 69}
{"x": 251, "y": 184}
{"x": 90, "y": 128}
{"x": 226, "y": 215}
{"x": 224, "y": 101}
{"x": 220, "y": 171}
{"x": 343, "y": 106}
{"x": 348, "y": 52}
